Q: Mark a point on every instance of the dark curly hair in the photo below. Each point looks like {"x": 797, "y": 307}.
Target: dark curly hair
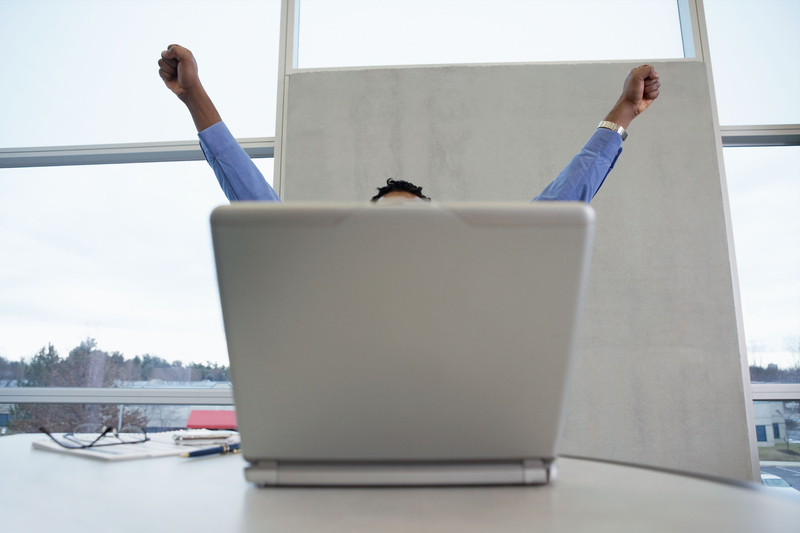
{"x": 398, "y": 185}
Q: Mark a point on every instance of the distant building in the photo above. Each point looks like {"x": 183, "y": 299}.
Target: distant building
{"x": 770, "y": 423}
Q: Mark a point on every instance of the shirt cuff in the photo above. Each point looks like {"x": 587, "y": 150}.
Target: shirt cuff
{"x": 606, "y": 142}
{"x": 215, "y": 139}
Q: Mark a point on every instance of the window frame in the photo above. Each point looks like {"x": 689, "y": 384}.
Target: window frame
{"x": 89, "y": 395}
{"x": 104, "y": 154}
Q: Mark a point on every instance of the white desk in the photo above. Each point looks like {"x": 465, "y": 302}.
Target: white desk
{"x": 49, "y": 492}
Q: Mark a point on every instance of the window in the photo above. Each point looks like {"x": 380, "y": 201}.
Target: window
{"x": 117, "y": 253}
{"x": 85, "y": 72}
{"x": 776, "y": 430}
{"x": 752, "y": 44}
{"x": 764, "y": 194}
{"x": 346, "y": 33}
{"x": 751, "y": 41}
{"x": 761, "y": 433}
{"x": 111, "y": 263}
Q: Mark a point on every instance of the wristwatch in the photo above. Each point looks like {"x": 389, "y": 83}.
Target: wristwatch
{"x": 611, "y": 126}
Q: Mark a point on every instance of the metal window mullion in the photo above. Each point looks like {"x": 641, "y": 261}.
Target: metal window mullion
{"x": 287, "y": 62}
{"x": 761, "y": 135}
{"x": 116, "y": 396}
{"x": 776, "y": 391}
{"x": 696, "y": 15}
{"x": 104, "y": 154}
{"x": 685, "y": 11}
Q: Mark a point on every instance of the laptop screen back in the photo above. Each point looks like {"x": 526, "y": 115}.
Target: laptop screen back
{"x": 401, "y": 332}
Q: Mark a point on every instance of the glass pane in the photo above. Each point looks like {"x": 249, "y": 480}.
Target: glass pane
{"x": 764, "y": 194}
{"x": 62, "y": 418}
{"x": 346, "y": 33}
{"x": 116, "y": 253}
{"x": 85, "y": 72}
{"x": 781, "y": 439}
{"x": 755, "y": 51}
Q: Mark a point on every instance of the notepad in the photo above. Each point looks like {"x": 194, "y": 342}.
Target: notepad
{"x": 159, "y": 445}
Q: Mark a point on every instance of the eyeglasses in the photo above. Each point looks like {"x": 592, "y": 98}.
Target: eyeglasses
{"x": 96, "y": 435}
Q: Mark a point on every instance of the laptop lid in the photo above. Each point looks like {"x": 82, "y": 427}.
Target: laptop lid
{"x": 401, "y": 332}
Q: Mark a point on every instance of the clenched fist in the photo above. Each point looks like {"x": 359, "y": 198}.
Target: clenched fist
{"x": 178, "y": 69}
{"x": 638, "y": 92}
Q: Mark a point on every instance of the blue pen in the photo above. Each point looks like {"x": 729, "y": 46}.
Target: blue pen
{"x": 225, "y": 448}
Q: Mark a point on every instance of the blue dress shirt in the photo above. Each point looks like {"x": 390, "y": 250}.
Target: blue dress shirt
{"x": 241, "y": 180}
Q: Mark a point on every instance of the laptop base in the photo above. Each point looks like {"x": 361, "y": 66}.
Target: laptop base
{"x": 343, "y": 474}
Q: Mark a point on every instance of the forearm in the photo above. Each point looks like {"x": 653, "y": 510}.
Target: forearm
{"x": 584, "y": 175}
{"x": 622, "y": 114}
{"x": 202, "y": 109}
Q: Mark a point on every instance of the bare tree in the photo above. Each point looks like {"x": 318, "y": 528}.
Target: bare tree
{"x": 793, "y": 347}
{"x": 755, "y": 351}
{"x": 791, "y": 417}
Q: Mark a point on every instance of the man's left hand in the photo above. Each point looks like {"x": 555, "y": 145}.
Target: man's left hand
{"x": 639, "y": 91}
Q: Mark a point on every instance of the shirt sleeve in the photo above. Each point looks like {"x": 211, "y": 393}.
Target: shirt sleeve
{"x": 238, "y": 176}
{"x": 582, "y": 177}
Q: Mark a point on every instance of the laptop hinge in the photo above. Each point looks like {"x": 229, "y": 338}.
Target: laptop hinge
{"x": 290, "y": 473}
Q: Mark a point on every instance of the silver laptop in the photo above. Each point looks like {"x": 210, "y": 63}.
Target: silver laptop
{"x": 401, "y": 344}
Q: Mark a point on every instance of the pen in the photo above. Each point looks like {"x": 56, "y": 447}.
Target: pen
{"x": 225, "y": 448}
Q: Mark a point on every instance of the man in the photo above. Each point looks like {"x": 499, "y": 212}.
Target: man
{"x": 241, "y": 180}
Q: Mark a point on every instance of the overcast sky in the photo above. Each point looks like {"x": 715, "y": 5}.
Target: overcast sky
{"x": 121, "y": 253}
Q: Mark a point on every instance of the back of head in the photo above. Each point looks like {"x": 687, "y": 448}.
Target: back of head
{"x": 398, "y": 186}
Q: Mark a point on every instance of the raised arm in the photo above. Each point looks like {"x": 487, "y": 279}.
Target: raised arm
{"x": 582, "y": 177}
{"x": 238, "y": 176}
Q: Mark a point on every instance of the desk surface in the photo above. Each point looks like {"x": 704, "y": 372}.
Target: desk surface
{"x": 44, "y": 491}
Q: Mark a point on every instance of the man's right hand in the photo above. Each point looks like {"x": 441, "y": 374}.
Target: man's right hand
{"x": 178, "y": 69}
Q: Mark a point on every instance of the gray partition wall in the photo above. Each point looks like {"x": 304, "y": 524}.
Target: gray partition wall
{"x": 658, "y": 378}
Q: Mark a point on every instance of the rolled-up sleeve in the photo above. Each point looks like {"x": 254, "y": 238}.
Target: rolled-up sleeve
{"x": 238, "y": 176}
{"x": 584, "y": 175}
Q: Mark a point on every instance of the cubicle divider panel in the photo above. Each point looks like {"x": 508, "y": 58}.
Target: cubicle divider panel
{"x": 658, "y": 378}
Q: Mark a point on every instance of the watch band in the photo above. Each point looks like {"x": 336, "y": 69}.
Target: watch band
{"x": 611, "y": 126}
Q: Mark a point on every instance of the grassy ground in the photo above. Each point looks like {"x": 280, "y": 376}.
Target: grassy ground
{"x": 779, "y": 453}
